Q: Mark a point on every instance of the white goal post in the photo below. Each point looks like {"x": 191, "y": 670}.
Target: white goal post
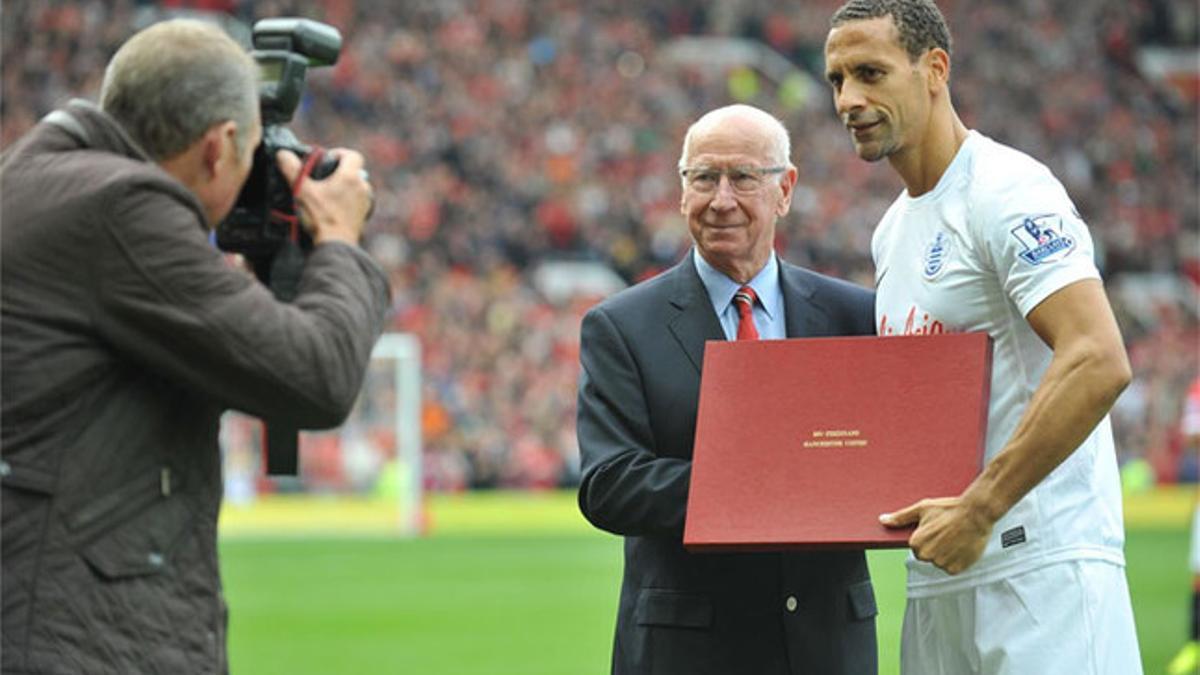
{"x": 403, "y": 350}
{"x": 371, "y": 465}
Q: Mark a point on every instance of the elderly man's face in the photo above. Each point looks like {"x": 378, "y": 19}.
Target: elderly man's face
{"x": 732, "y": 195}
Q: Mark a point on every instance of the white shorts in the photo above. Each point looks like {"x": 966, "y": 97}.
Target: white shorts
{"x": 1068, "y": 617}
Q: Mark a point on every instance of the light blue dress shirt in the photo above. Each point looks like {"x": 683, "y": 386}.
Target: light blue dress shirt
{"x": 768, "y": 311}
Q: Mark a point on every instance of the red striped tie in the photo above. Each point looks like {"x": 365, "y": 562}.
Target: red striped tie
{"x": 744, "y": 299}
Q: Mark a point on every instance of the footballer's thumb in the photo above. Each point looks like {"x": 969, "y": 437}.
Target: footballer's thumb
{"x": 902, "y": 518}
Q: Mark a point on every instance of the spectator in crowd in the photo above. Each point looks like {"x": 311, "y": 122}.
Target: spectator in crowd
{"x": 503, "y": 134}
{"x": 1187, "y": 660}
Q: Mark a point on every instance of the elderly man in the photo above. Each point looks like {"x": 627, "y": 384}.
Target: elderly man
{"x": 642, "y": 350}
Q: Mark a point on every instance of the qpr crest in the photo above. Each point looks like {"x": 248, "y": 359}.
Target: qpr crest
{"x": 1043, "y": 239}
{"x": 936, "y": 254}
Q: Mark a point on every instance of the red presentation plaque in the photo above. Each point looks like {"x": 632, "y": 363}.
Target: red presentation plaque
{"x": 802, "y": 443}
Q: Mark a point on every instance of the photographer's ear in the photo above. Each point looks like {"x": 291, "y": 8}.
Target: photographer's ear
{"x": 219, "y": 140}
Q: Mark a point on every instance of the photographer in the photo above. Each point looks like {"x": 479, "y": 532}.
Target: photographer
{"x": 125, "y": 335}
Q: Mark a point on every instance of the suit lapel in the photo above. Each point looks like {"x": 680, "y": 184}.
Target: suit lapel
{"x": 805, "y": 315}
{"x": 695, "y": 321}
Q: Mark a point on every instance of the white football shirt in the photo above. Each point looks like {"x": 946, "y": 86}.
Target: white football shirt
{"x": 995, "y": 237}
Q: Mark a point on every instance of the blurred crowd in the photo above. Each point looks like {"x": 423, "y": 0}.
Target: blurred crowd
{"x": 503, "y": 134}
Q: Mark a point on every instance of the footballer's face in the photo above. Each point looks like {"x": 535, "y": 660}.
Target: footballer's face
{"x": 879, "y": 92}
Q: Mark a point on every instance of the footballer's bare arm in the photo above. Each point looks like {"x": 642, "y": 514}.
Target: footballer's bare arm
{"x": 1088, "y": 371}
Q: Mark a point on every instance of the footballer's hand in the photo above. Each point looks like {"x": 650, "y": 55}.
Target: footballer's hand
{"x": 334, "y": 208}
{"x": 950, "y": 533}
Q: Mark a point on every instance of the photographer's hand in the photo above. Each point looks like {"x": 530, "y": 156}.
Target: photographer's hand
{"x": 334, "y": 208}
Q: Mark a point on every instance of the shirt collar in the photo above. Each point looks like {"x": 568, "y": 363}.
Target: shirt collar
{"x": 721, "y": 288}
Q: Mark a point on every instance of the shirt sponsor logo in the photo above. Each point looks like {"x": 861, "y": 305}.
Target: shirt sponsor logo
{"x": 936, "y": 254}
{"x": 1043, "y": 239}
{"x": 913, "y": 324}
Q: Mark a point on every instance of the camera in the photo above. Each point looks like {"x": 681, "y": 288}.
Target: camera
{"x": 262, "y": 225}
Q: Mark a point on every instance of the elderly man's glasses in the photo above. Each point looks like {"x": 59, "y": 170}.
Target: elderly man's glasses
{"x": 743, "y": 179}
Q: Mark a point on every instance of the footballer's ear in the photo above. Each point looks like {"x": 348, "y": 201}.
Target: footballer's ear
{"x": 937, "y": 64}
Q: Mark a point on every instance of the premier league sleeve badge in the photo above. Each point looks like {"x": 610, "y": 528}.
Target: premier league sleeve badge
{"x": 1043, "y": 239}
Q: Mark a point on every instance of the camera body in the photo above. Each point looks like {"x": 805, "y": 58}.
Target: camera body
{"x": 261, "y": 224}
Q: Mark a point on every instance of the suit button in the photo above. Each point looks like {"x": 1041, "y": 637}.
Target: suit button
{"x": 791, "y": 603}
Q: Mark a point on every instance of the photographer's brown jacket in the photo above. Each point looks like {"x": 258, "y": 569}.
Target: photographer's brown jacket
{"x": 124, "y": 336}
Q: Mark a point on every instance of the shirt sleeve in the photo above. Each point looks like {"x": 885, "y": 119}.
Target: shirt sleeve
{"x": 626, "y": 487}
{"x": 166, "y": 299}
{"x": 1034, "y": 237}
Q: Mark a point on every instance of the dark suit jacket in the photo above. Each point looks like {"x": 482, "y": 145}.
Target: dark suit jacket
{"x": 724, "y": 613}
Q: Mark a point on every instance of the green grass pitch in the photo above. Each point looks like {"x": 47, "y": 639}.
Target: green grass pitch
{"x": 525, "y": 599}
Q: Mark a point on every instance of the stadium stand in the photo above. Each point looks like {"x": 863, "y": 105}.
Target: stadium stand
{"x": 504, "y": 134}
